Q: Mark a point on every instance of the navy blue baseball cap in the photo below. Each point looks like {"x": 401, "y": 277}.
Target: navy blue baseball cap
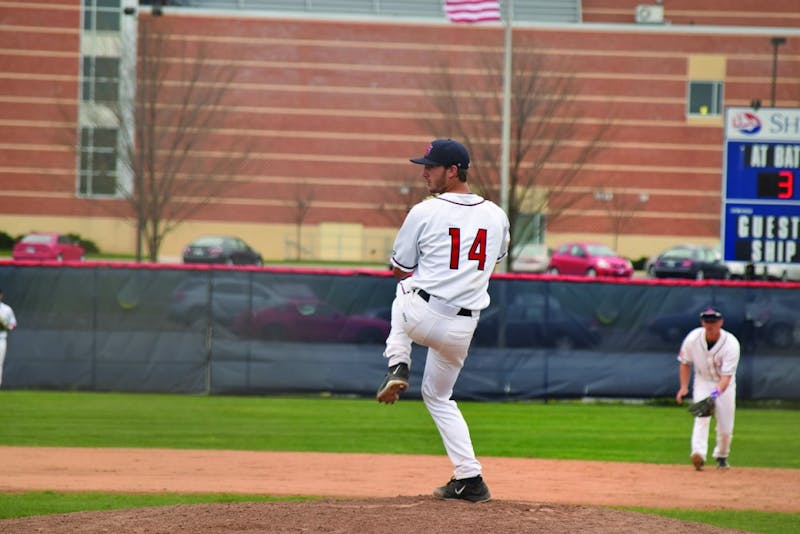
{"x": 710, "y": 314}
{"x": 444, "y": 152}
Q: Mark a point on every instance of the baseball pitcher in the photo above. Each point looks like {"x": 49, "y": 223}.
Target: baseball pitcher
{"x": 450, "y": 243}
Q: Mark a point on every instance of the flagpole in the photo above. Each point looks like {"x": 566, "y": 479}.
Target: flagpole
{"x": 506, "y": 123}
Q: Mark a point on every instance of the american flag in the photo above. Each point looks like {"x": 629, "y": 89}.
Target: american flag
{"x": 470, "y": 11}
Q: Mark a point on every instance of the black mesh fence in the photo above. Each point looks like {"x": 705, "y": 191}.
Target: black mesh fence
{"x": 155, "y": 328}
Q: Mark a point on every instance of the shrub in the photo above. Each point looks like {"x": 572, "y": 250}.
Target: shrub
{"x": 639, "y": 264}
{"x": 6, "y": 241}
{"x": 88, "y": 245}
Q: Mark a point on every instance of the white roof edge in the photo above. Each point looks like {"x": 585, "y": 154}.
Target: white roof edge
{"x": 578, "y": 26}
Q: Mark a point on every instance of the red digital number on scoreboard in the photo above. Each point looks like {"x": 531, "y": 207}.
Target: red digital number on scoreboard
{"x": 775, "y": 184}
{"x": 786, "y": 184}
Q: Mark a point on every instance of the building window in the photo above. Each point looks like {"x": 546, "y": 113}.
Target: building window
{"x": 98, "y": 155}
{"x": 102, "y": 15}
{"x": 101, "y": 80}
{"x": 705, "y": 98}
{"x": 101, "y": 48}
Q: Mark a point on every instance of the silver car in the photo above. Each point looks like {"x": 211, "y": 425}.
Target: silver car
{"x": 224, "y": 300}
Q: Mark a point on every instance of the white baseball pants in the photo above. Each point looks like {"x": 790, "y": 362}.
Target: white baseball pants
{"x": 2, "y": 357}
{"x": 724, "y": 411}
{"x": 434, "y": 324}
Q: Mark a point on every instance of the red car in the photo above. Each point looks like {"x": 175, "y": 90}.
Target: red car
{"x": 311, "y": 320}
{"x": 45, "y": 246}
{"x": 588, "y": 259}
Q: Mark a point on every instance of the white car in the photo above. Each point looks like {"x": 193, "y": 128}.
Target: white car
{"x": 769, "y": 271}
{"x": 530, "y": 258}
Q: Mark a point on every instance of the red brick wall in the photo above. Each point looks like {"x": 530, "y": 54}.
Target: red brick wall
{"x": 340, "y": 106}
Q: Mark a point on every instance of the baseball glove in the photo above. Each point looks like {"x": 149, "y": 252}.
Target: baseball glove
{"x": 703, "y": 408}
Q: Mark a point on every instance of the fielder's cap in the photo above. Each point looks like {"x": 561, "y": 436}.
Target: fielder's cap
{"x": 444, "y": 152}
{"x": 710, "y": 314}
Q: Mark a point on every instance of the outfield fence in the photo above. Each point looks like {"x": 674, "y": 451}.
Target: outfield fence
{"x": 262, "y": 330}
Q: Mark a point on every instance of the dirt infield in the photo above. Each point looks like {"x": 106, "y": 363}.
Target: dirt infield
{"x": 376, "y": 493}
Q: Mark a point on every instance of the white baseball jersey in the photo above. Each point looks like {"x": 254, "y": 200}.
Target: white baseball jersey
{"x": 711, "y": 364}
{"x": 7, "y": 319}
{"x": 452, "y": 243}
{"x": 8, "y": 322}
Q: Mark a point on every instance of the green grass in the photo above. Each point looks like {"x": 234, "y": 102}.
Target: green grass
{"x": 52, "y": 502}
{"x": 650, "y": 433}
{"x": 749, "y": 521}
{"x": 569, "y": 430}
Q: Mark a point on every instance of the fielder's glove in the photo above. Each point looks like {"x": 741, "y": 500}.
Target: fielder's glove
{"x": 703, "y": 408}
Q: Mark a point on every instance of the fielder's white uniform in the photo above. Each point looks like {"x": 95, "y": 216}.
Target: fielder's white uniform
{"x": 7, "y": 322}
{"x": 710, "y": 364}
{"x": 451, "y": 243}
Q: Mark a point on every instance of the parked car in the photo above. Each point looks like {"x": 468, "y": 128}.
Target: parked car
{"x": 311, "y": 320}
{"x": 689, "y": 261}
{"x": 535, "y": 320}
{"x": 48, "y": 246}
{"x": 776, "y": 319}
{"x": 530, "y": 258}
{"x": 764, "y": 271}
{"x": 229, "y": 298}
{"x": 221, "y": 249}
{"x": 743, "y": 270}
{"x": 771, "y": 320}
{"x": 588, "y": 259}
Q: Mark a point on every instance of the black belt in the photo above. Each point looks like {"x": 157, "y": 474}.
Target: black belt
{"x": 427, "y": 297}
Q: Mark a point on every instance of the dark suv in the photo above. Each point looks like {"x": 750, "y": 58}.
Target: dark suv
{"x": 697, "y": 262}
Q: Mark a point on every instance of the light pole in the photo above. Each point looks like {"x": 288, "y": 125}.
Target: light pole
{"x": 776, "y": 42}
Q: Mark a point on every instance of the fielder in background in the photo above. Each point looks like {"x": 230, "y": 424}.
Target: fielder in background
{"x": 7, "y": 323}
{"x": 714, "y": 353}
{"x": 450, "y": 243}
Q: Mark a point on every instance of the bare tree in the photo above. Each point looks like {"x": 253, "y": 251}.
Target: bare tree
{"x": 621, "y": 208}
{"x": 170, "y": 105}
{"x": 303, "y": 198}
{"x": 408, "y": 190}
{"x": 546, "y": 155}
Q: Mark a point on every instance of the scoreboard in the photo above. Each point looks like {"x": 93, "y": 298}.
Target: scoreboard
{"x": 761, "y": 185}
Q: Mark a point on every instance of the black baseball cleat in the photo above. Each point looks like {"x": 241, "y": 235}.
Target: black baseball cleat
{"x": 395, "y": 382}
{"x": 722, "y": 463}
{"x": 467, "y": 489}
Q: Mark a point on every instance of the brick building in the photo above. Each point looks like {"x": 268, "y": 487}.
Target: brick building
{"x": 321, "y": 111}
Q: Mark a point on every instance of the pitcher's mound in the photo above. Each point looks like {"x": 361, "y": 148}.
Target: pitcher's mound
{"x": 400, "y": 515}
